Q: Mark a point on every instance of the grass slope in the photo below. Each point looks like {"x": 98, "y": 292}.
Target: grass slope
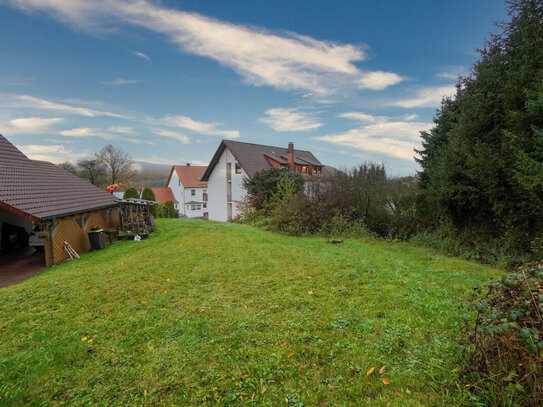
{"x": 221, "y": 314}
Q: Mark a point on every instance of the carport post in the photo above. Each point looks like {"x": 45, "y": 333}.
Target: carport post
{"x": 51, "y": 229}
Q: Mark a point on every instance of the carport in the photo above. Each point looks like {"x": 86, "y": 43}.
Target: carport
{"x": 39, "y": 193}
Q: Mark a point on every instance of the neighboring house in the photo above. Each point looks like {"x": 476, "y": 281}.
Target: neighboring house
{"x": 164, "y": 195}
{"x": 63, "y": 204}
{"x": 234, "y": 160}
{"x": 189, "y": 190}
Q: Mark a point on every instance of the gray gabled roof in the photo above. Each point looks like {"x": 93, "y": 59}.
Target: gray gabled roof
{"x": 255, "y": 157}
{"x": 39, "y": 190}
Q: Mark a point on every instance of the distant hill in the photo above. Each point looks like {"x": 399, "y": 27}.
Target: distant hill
{"x": 151, "y": 174}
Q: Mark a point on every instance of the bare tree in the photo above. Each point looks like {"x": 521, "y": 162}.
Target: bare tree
{"x": 93, "y": 171}
{"x": 69, "y": 167}
{"x": 119, "y": 165}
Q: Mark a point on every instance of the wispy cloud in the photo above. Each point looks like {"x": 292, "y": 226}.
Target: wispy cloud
{"x": 121, "y": 129}
{"x": 27, "y": 101}
{"x": 52, "y": 153}
{"x": 427, "y": 97}
{"x": 379, "y": 134}
{"x": 207, "y": 129}
{"x": 30, "y": 125}
{"x": 120, "y": 82}
{"x": 183, "y": 139}
{"x": 142, "y": 55}
{"x": 84, "y": 132}
{"x": 290, "y": 119}
{"x": 287, "y": 61}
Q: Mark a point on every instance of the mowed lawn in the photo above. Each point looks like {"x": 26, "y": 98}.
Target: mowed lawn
{"x": 205, "y": 313}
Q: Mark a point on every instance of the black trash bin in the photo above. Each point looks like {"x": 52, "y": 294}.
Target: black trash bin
{"x": 96, "y": 239}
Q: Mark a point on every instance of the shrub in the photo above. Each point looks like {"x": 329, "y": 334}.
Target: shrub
{"x": 170, "y": 211}
{"x": 148, "y": 194}
{"x": 508, "y": 341}
{"x": 131, "y": 193}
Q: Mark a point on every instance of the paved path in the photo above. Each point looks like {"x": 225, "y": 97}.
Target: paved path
{"x": 19, "y": 265}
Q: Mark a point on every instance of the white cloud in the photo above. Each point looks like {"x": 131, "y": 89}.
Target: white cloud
{"x": 52, "y": 153}
{"x": 395, "y": 138}
{"x": 362, "y": 117}
{"x": 173, "y": 135}
{"x": 427, "y": 97}
{"x": 120, "y": 129}
{"x": 26, "y": 101}
{"x": 82, "y": 132}
{"x": 379, "y": 80}
{"x": 290, "y": 119}
{"x": 31, "y": 125}
{"x": 120, "y": 82}
{"x": 287, "y": 61}
{"x": 208, "y": 129}
{"x": 142, "y": 55}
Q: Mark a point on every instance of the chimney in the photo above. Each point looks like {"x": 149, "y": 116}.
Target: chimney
{"x": 188, "y": 164}
{"x": 290, "y": 157}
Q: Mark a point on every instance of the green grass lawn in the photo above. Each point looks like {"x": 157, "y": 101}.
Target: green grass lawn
{"x": 225, "y": 314}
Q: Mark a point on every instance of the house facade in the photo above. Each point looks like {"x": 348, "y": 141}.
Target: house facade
{"x": 235, "y": 160}
{"x": 188, "y": 188}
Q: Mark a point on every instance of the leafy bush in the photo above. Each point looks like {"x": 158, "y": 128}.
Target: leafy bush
{"x": 169, "y": 210}
{"x": 148, "y": 194}
{"x": 265, "y": 183}
{"x": 508, "y": 341}
{"x": 131, "y": 193}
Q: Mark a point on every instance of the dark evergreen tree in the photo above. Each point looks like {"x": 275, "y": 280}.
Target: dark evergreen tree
{"x": 482, "y": 163}
{"x": 131, "y": 193}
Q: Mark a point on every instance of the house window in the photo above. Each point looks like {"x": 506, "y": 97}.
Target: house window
{"x": 304, "y": 169}
{"x": 193, "y": 192}
{"x": 195, "y": 207}
{"x": 205, "y": 205}
{"x": 238, "y": 168}
{"x": 205, "y": 191}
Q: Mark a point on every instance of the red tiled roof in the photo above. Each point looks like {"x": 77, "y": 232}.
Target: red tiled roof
{"x": 40, "y": 190}
{"x": 254, "y": 157}
{"x": 164, "y": 195}
{"x": 190, "y": 175}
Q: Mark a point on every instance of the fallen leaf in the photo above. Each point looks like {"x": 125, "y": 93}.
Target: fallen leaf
{"x": 383, "y": 369}
{"x": 353, "y": 372}
{"x": 301, "y": 367}
{"x": 333, "y": 387}
{"x": 211, "y": 341}
{"x": 84, "y": 338}
{"x": 264, "y": 390}
{"x": 244, "y": 306}
{"x": 370, "y": 371}
{"x": 90, "y": 340}
{"x": 398, "y": 394}
{"x": 408, "y": 391}
{"x": 145, "y": 393}
{"x": 291, "y": 354}
{"x": 284, "y": 343}
{"x": 310, "y": 292}
{"x": 370, "y": 383}
{"x": 386, "y": 381}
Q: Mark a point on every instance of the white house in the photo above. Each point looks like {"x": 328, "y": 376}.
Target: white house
{"x": 185, "y": 182}
{"x": 235, "y": 160}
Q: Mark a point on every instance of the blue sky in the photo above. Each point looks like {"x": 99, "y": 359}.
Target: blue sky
{"x": 167, "y": 80}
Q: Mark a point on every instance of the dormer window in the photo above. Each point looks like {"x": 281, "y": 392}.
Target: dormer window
{"x": 238, "y": 168}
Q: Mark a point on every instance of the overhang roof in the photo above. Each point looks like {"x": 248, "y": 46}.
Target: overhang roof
{"x": 164, "y": 195}
{"x": 253, "y": 157}
{"x": 40, "y": 190}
